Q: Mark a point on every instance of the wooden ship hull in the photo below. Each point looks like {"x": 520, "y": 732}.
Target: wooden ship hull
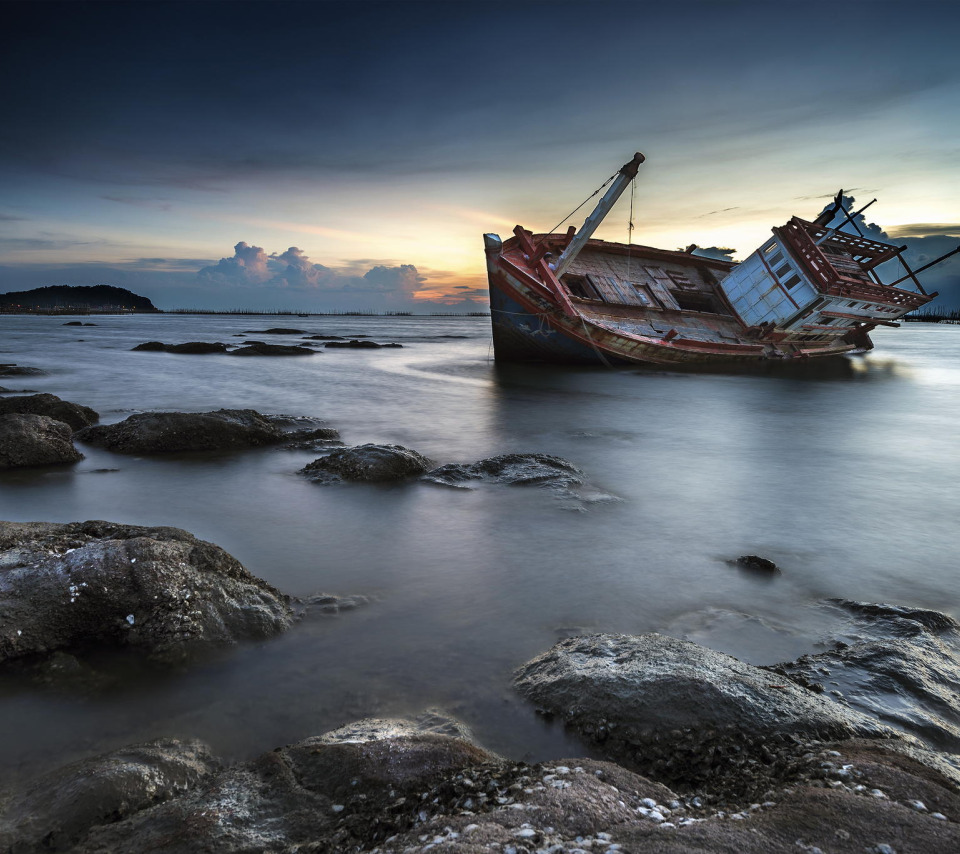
{"x": 810, "y": 291}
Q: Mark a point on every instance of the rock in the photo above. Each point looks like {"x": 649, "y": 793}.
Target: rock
{"x": 73, "y": 323}
{"x": 367, "y": 463}
{"x": 323, "y": 338}
{"x": 360, "y": 345}
{"x": 160, "y": 590}
{"x": 74, "y": 414}
{"x": 12, "y": 370}
{"x": 199, "y": 347}
{"x": 755, "y": 563}
{"x": 53, "y": 812}
{"x": 35, "y": 440}
{"x": 430, "y": 721}
{"x": 257, "y": 348}
{"x": 680, "y": 712}
{"x": 513, "y": 469}
{"x": 318, "y": 794}
{"x": 330, "y": 605}
{"x": 164, "y": 432}
{"x": 934, "y": 621}
{"x": 276, "y": 330}
{"x": 392, "y": 787}
{"x": 902, "y": 669}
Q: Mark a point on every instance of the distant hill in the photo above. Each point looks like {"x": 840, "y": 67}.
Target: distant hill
{"x": 97, "y": 298}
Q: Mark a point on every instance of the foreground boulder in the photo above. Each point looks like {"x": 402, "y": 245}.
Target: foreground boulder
{"x": 196, "y": 347}
{"x": 681, "y": 712}
{"x": 160, "y": 590}
{"x": 394, "y": 787}
{"x": 367, "y": 463}
{"x": 513, "y": 469}
{"x": 35, "y": 440}
{"x": 224, "y": 429}
{"x": 74, "y": 414}
{"x": 53, "y": 812}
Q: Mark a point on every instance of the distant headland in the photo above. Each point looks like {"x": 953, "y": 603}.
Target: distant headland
{"x": 75, "y": 299}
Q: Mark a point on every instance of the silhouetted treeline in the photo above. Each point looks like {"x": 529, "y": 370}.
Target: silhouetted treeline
{"x": 933, "y": 315}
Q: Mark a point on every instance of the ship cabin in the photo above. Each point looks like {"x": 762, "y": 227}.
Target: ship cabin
{"x": 811, "y": 283}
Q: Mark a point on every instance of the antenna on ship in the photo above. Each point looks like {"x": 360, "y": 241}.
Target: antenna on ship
{"x": 626, "y": 174}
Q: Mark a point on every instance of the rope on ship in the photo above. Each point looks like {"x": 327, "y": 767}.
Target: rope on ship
{"x": 595, "y": 193}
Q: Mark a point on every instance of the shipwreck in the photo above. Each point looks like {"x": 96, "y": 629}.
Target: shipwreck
{"x": 813, "y": 289}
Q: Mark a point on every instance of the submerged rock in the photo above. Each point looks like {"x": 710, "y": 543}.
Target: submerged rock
{"x": 35, "y": 440}
{"x": 257, "y": 348}
{"x": 323, "y": 338}
{"x": 224, "y": 429}
{"x": 55, "y": 811}
{"x": 368, "y": 463}
{"x": 13, "y": 370}
{"x": 160, "y": 590}
{"x": 74, "y": 414}
{"x": 360, "y": 345}
{"x": 513, "y": 469}
{"x": 681, "y": 711}
{"x": 197, "y": 347}
{"x": 898, "y": 664}
{"x": 755, "y": 563}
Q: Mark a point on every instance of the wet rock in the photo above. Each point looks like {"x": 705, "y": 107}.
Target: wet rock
{"x": 392, "y": 786}
{"x": 160, "y": 590}
{"x": 897, "y": 664}
{"x": 257, "y": 348}
{"x": 13, "y": 370}
{"x": 164, "y": 432}
{"x": 323, "y": 795}
{"x": 194, "y": 347}
{"x": 74, "y": 414}
{"x": 755, "y": 563}
{"x": 323, "y": 338}
{"x": 53, "y": 812}
{"x": 367, "y": 463}
{"x": 276, "y": 330}
{"x": 513, "y": 469}
{"x": 682, "y": 713}
{"x": 72, "y": 323}
{"x": 934, "y": 621}
{"x": 360, "y": 345}
{"x": 431, "y": 721}
{"x": 330, "y": 605}
{"x": 35, "y": 440}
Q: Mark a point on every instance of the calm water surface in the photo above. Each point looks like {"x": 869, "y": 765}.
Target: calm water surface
{"x": 845, "y": 475}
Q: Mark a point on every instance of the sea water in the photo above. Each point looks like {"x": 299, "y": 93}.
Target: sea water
{"x": 846, "y": 475}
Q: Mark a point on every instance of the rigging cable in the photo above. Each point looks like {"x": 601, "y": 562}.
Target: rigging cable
{"x": 633, "y": 193}
{"x": 598, "y": 190}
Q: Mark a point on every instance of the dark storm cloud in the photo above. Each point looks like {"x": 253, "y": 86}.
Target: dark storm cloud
{"x": 201, "y": 95}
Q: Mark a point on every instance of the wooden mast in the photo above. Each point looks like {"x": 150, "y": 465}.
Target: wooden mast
{"x": 626, "y": 174}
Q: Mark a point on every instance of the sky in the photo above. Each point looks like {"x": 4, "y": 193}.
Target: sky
{"x": 350, "y": 155}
